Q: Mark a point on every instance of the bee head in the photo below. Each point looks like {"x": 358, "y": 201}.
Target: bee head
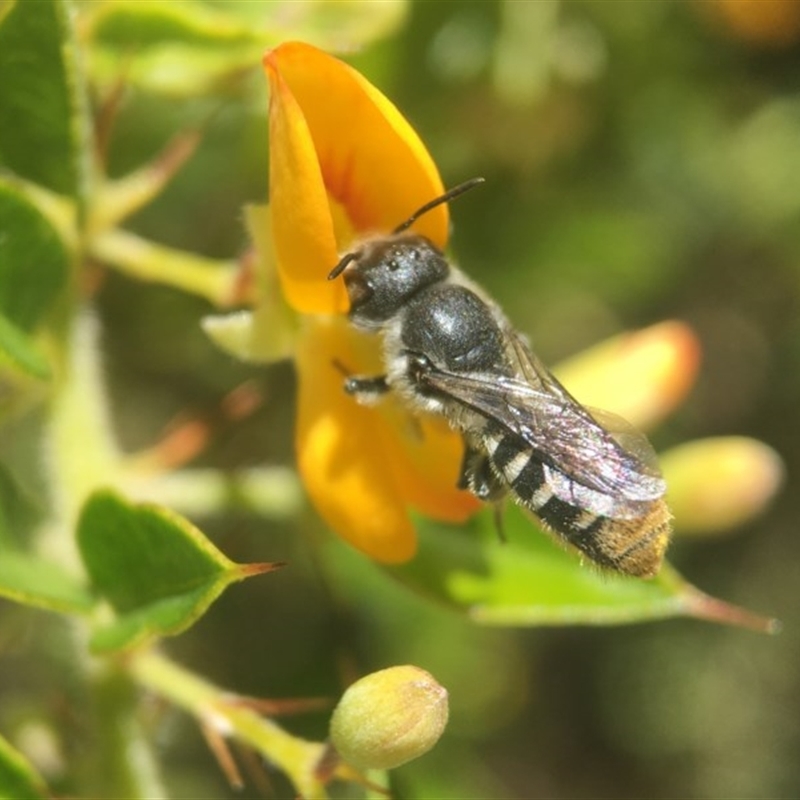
{"x": 387, "y": 272}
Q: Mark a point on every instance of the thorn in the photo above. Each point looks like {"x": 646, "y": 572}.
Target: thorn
{"x": 259, "y": 568}
{"x": 242, "y": 401}
{"x": 108, "y": 109}
{"x": 222, "y": 752}
{"x": 257, "y": 771}
{"x": 176, "y": 153}
{"x": 703, "y": 606}
{"x": 283, "y": 706}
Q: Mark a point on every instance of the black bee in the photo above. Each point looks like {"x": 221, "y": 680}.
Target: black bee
{"x": 448, "y": 349}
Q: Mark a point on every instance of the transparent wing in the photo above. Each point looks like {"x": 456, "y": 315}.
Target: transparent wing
{"x": 565, "y": 436}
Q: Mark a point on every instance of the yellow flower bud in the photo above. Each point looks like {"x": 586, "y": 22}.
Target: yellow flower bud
{"x": 718, "y": 483}
{"x": 389, "y": 717}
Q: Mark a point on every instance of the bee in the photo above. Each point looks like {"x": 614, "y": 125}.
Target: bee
{"x": 448, "y": 349}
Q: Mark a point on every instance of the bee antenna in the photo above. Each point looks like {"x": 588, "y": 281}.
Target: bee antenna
{"x": 445, "y": 198}
{"x": 437, "y": 201}
{"x": 339, "y": 268}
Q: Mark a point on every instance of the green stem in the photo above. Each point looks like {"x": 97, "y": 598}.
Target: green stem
{"x": 123, "y": 765}
{"x": 83, "y": 452}
{"x": 83, "y": 456}
{"x": 215, "y": 280}
{"x": 221, "y": 712}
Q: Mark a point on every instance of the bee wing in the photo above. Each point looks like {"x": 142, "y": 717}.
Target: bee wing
{"x": 564, "y": 435}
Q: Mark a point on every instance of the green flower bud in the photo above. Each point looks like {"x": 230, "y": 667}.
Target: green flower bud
{"x": 389, "y": 717}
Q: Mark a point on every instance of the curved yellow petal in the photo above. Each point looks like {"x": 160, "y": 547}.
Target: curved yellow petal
{"x": 302, "y": 226}
{"x": 371, "y": 161}
{"x": 342, "y": 452}
{"x": 642, "y": 376}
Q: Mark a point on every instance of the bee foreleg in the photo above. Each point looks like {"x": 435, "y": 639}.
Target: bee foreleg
{"x": 366, "y": 389}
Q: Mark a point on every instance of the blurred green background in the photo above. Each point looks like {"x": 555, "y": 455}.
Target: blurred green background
{"x": 642, "y": 163}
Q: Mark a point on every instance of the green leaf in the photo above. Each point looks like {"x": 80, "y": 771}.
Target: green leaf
{"x": 21, "y": 351}
{"x": 138, "y": 24}
{"x": 37, "y": 99}
{"x": 188, "y": 49}
{"x": 176, "y": 48}
{"x": 42, "y": 584}
{"x": 343, "y": 27}
{"x": 530, "y": 580}
{"x": 156, "y": 569}
{"x": 33, "y": 259}
{"x": 19, "y": 513}
{"x": 18, "y": 779}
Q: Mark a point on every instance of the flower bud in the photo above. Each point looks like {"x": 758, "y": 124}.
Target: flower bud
{"x": 389, "y": 717}
{"x": 718, "y": 483}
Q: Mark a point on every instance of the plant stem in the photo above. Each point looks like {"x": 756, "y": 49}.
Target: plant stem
{"x": 220, "y": 710}
{"x": 124, "y": 764}
{"x": 215, "y": 280}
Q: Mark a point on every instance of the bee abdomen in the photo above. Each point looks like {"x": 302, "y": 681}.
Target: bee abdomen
{"x": 632, "y": 546}
{"x": 516, "y": 462}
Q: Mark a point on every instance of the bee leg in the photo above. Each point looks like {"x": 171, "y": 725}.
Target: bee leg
{"x": 359, "y": 384}
{"x": 367, "y": 389}
{"x": 467, "y": 468}
{"x": 477, "y": 475}
{"x": 498, "y": 508}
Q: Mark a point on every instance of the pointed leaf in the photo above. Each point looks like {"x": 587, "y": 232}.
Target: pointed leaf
{"x": 39, "y": 93}
{"x": 21, "y": 351}
{"x": 42, "y": 584}
{"x": 18, "y": 779}
{"x": 33, "y": 259}
{"x": 156, "y": 569}
{"x": 530, "y": 580}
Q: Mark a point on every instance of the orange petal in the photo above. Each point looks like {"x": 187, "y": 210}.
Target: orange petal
{"x": 341, "y": 453}
{"x": 642, "y": 376}
{"x": 330, "y": 129}
{"x": 302, "y": 226}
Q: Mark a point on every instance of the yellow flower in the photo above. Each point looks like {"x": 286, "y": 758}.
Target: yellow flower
{"x": 345, "y": 163}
